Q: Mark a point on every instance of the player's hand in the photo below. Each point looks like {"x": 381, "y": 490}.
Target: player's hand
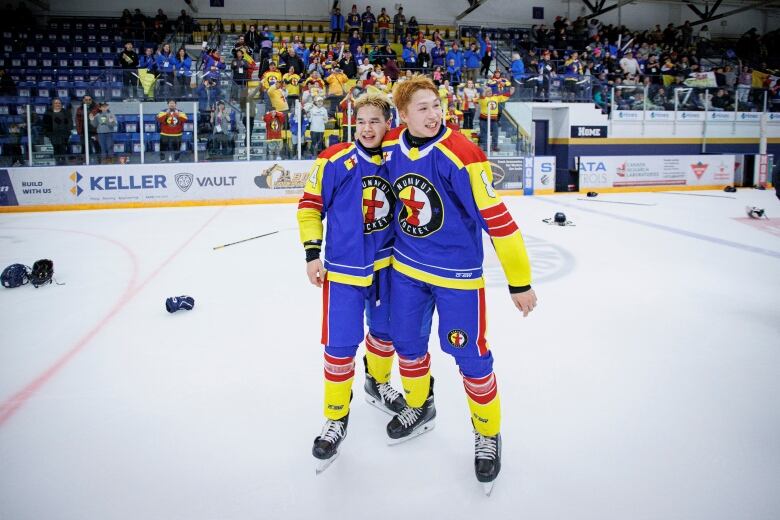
{"x": 525, "y": 302}
{"x": 316, "y": 272}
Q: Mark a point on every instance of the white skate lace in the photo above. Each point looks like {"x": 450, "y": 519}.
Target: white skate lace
{"x": 387, "y": 392}
{"x": 485, "y": 447}
{"x": 409, "y": 415}
{"x": 332, "y": 431}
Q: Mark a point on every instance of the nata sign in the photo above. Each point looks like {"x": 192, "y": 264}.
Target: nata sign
{"x": 589, "y": 132}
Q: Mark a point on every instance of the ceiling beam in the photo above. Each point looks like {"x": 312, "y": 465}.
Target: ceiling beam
{"x": 763, "y": 4}
{"x": 474, "y": 5}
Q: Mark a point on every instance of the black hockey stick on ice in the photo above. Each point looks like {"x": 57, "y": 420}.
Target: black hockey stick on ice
{"x": 619, "y": 202}
{"x": 245, "y": 240}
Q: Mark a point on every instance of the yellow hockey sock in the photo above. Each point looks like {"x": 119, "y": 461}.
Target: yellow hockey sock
{"x": 484, "y": 404}
{"x": 339, "y": 373}
{"x": 416, "y": 379}
{"x": 379, "y": 358}
{"x": 337, "y": 397}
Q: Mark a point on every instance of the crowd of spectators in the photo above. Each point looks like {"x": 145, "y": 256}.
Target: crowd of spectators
{"x": 266, "y": 74}
{"x": 589, "y": 58}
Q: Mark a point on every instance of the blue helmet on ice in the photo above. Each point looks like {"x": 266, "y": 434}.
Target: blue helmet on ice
{"x": 14, "y": 275}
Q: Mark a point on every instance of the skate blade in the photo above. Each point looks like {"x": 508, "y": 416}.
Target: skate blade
{"x": 378, "y": 404}
{"x": 425, "y": 428}
{"x": 487, "y": 487}
{"x": 322, "y": 465}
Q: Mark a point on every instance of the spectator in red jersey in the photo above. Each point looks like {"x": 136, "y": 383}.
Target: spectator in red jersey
{"x": 274, "y": 130}
{"x": 171, "y": 129}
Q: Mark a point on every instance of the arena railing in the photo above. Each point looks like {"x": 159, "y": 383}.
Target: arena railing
{"x": 686, "y": 103}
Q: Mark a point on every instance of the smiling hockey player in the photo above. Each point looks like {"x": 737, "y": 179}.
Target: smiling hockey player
{"x": 348, "y": 187}
{"x": 443, "y": 184}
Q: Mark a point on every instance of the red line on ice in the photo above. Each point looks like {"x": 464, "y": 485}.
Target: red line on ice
{"x": 11, "y": 405}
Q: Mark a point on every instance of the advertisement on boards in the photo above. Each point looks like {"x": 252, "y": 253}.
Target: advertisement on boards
{"x": 655, "y": 170}
{"x": 152, "y": 183}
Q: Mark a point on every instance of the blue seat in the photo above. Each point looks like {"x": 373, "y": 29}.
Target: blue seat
{"x": 116, "y": 90}
{"x": 80, "y": 89}
{"x": 131, "y": 125}
{"x": 99, "y": 91}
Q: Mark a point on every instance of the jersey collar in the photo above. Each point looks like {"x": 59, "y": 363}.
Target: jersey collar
{"x": 418, "y": 153}
{"x": 361, "y": 151}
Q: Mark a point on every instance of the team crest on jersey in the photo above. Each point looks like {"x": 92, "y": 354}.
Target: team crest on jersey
{"x": 457, "y": 338}
{"x": 378, "y": 204}
{"x": 423, "y": 212}
{"x": 350, "y": 162}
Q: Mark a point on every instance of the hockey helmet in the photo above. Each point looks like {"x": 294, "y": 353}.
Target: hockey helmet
{"x": 754, "y": 212}
{"x": 560, "y": 219}
{"x": 14, "y": 275}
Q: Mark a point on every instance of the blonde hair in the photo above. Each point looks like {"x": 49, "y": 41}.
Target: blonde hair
{"x": 403, "y": 92}
{"x": 377, "y": 100}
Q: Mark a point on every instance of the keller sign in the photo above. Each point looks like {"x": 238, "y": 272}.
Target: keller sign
{"x": 589, "y": 132}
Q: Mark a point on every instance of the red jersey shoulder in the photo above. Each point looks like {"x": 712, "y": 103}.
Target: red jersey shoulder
{"x": 394, "y": 133}
{"x": 462, "y": 148}
{"x": 333, "y": 150}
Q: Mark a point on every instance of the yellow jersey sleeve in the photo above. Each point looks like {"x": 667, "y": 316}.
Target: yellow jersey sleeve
{"x": 499, "y": 224}
{"x": 310, "y": 208}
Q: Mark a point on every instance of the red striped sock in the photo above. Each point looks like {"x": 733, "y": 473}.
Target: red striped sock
{"x": 339, "y": 369}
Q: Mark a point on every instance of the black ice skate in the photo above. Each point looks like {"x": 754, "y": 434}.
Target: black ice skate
{"x": 412, "y": 422}
{"x": 383, "y": 395}
{"x": 326, "y": 445}
{"x": 487, "y": 460}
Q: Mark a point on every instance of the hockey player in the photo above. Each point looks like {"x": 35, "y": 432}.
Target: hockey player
{"x": 443, "y": 184}
{"x": 348, "y": 187}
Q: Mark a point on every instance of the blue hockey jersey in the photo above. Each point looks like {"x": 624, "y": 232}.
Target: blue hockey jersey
{"x": 445, "y": 200}
{"x": 348, "y": 188}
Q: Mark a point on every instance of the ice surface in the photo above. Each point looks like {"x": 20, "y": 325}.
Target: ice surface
{"x": 644, "y": 386}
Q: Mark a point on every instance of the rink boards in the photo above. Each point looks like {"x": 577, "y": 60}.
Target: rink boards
{"x": 201, "y": 184}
